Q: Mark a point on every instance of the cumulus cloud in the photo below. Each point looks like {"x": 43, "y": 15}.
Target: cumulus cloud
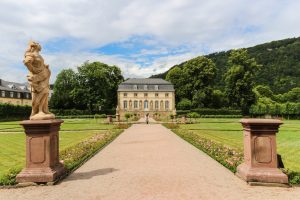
{"x": 179, "y": 30}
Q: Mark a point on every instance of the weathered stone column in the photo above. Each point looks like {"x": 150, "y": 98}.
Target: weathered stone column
{"x": 260, "y": 154}
{"x": 118, "y": 117}
{"x": 42, "y": 151}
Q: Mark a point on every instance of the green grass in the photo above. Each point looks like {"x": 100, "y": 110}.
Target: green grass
{"x": 12, "y": 139}
{"x": 229, "y": 133}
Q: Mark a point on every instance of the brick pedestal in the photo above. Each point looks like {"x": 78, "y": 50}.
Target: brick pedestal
{"x": 109, "y": 119}
{"x": 260, "y": 154}
{"x": 42, "y": 151}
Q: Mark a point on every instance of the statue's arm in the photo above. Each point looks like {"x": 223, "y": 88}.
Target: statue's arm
{"x": 28, "y": 62}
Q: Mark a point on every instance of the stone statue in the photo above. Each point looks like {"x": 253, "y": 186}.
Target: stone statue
{"x": 38, "y": 78}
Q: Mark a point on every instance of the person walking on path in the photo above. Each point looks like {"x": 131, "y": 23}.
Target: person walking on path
{"x": 147, "y": 118}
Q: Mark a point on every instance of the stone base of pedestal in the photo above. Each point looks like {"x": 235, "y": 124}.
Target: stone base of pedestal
{"x": 259, "y": 174}
{"x": 40, "y": 175}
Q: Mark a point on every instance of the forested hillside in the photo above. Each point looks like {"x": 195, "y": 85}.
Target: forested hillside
{"x": 280, "y": 62}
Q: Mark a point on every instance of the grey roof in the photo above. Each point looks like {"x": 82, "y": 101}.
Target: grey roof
{"x": 13, "y": 86}
{"x": 138, "y": 84}
{"x": 147, "y": 81}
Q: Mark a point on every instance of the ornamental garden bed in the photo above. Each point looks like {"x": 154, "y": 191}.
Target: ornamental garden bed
{"x": 222, "y": 139}
{"x": 78, "y": 143}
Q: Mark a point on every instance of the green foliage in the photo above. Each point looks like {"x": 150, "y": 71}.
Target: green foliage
{"x": 239, "y": 79}
{"x": 280, "y": 60}
{"x": 193, "y": 115}
{"x": 194, "y": 80}
{"x": 184, "y": 104}
{"x": 92, "y": 88}
{"x": 206, "y": 112}
{"x": 64, "y": 84}
{"x": 127, "y": 116}
{"x": 10, "y": 177}
{"x": 9, "y": 111}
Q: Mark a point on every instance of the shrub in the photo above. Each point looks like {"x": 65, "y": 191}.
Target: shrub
{"x": 184, "y": 104}
{"x": 193, "y": 115}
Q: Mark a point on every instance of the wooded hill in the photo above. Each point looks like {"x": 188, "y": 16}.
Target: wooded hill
{"x": 280, "y": 62}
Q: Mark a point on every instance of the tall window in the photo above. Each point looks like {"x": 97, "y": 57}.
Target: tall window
{"x": 125, "y": 104}
{"x": 11, "y": 94}
{"x": 3, "y": 93}
{"x": 156, "y": 104}
{"x": 135, "y": 104}
{"x": 19, "y": 95}
{"x": 156, "y": 87}
{"x": 167, "y": 105}
{"x": 146, "y": 104}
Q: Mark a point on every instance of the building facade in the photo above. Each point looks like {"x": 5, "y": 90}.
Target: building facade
{"x": 151, "y": 96}
{"x": 14, "y": 93}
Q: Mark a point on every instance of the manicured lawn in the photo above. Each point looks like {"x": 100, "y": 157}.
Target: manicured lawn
{"x": 12, "y": 139}
{"x": 229, "y": 133}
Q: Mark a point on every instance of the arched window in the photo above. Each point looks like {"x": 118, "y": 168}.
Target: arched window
{"x": 156, "y": 105}
{"x": 135, "y": 104}
{"x": 125, "y": 104}
{"x": 145, "y": 104}
{"x": 167, "y": 105}
{"x": 161, "y": 105}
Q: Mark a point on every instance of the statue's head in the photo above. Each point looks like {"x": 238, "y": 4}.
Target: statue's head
{"x": 34, "y": 46}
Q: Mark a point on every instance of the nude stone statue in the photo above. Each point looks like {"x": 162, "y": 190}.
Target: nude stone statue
{"x": 38, "y": 78}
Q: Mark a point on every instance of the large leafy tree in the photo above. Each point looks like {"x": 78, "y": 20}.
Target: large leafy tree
{"x": 97, "y": 86}
{"x": 194, "y": 80}
{"x": 239, "y": 79}
{"x": 63, "y": 86}
{"x": 201, "y": 73}
{"x": 93, "y": 87}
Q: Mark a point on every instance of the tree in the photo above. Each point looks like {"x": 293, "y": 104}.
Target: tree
{"x": 178, "y": 79}
{"x": 239, "y": 79}
{"x": 200, "y": 73}
{"x": 63, "y": 86}
{"x": 97, "y": 88}
{"x": 194, "y": 80}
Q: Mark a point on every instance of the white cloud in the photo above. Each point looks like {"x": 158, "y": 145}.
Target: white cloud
{"x": 198, "y": 24}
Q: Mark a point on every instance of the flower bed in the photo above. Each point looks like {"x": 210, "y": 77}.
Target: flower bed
{"x": 228, "y": 157}
{"x": 73, "y": 156}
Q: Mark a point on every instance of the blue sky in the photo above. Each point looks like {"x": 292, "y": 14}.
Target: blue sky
{"x": 141, "y": 37}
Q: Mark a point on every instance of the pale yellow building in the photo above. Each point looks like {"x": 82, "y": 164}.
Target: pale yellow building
{"x": 153, "y": 96}
{"x": 14, "y": 93}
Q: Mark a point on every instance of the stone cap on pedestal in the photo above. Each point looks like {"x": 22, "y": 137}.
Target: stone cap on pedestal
{"x": 261, "y": 124}
{"x": 41, "y": 126}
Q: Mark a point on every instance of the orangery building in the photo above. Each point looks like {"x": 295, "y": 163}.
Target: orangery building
{"x": 141, "y": 96}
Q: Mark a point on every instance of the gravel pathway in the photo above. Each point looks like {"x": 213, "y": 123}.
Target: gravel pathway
{"x": 149, "y": 162}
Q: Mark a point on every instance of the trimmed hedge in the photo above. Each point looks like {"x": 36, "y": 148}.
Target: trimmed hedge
{"x": 211, "y": 111}
{"x": 288, "y": 110}
{"x": 73, "y": 112}
{"x": 10, "y": 111}
{"x": 96, "y": 116}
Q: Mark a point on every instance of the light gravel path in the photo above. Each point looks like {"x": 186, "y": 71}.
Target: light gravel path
{"x": 149, "y": 162}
